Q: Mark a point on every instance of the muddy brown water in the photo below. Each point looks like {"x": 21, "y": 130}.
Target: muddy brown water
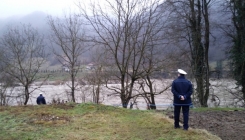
{"x": 220, "y": 88}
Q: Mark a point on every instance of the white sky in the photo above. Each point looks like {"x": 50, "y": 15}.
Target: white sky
{"x": 23, "y": 7}
{"x": 10, "y": 8}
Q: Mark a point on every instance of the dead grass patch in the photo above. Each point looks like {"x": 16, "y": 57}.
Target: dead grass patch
{"x": 44, "y": 118}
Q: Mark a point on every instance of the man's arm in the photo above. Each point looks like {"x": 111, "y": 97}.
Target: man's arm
{"x": 188, "y": 94}
{"x": 176, "y": 94}
{"x": 44, "y": 101}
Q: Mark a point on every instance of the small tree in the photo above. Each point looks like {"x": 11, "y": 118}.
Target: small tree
{"x": 155, "y": 59}
{"x": 6, "y": 87}
{"x": 96, "y": 77}
{"x": 149, "y": 90}
{"x": 68, "y": 34}
{"x": 23, "y": 56}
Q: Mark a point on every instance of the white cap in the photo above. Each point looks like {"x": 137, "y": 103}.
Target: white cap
{"x": 182, "y": 71}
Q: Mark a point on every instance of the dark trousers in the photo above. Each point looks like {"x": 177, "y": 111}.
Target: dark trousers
{"x": 185, "y": 111}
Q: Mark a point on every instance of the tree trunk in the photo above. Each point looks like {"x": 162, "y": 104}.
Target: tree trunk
{"x": 152, "y": 101}
{"x": 206, "y": 45}
{"x": 200, "y": 65}
{"x": 123, "y": 92}
{"x": 153, "y": 104}
{"x": 73, "y": 87}
{"x": 26, "y": 95}
{"x": 98, "y": 94}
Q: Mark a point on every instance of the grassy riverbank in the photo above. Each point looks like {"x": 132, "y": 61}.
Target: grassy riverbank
{"x": 89, "y": 122}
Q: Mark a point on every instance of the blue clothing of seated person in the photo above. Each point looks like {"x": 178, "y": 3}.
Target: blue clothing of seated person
{"x": 41, "y": 100}
{"x": 182, "y": 90}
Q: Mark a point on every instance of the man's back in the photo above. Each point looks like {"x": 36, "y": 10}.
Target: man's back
{"x": 41, "y": 100}
{"x": 183, "y": 87}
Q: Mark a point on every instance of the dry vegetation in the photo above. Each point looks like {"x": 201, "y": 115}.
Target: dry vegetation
{"x": 227, "y": 123}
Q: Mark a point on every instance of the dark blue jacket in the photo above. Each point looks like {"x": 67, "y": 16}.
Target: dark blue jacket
{"x": 182, "y": 86}
{"x": 41, "y": 100}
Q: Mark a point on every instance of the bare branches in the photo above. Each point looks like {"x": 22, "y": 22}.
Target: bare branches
{"x": 129, "y": 31}
{"x": 69, "y": 35}
{"x": 195, "y": 30}
{"x": 23, "y": 55}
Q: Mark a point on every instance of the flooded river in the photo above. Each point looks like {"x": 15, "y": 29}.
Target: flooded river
{"x": 219, "y": 88}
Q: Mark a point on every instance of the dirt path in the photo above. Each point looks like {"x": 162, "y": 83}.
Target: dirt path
{"x": 228, "y": 125}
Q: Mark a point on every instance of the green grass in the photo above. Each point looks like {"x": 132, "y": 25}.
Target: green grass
{"x": 89, "y": 122}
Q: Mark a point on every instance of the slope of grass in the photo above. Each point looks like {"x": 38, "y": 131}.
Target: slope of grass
{"x": 89, "y": 122}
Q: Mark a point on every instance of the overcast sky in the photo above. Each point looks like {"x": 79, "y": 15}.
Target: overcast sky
{"x": 10, "y": 8}
{"x": 23, "y": 7}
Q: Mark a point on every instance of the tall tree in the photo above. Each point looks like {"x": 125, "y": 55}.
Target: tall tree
{"x": 69, "y": 35}
{"x": 23, "y": 56}
{"x": 237, "y": 51}
{"x": 125, "y": 28}
{"x": 193, "y": 17}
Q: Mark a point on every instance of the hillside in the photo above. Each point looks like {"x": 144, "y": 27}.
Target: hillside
{"x": 89, "y": 122}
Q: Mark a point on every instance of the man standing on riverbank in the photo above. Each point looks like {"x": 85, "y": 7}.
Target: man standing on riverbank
{"x": 41, "y": 100}
{"x": 182, "y": 90}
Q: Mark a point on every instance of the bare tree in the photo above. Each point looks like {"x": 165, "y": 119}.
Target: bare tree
{"x": 94, "y": 80}
{"x": 69, "y": 35}
{"x": 193, "y": 16}
{"x": 5, "y": 83}
{"x": 23, "y": 56}
{"x": 150, "y": 91}
{"x": 2, "y": 86}
{"x": 96, "y": 77}
{"x": 125, "y": 28}
{"x": 157, "y": 59}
